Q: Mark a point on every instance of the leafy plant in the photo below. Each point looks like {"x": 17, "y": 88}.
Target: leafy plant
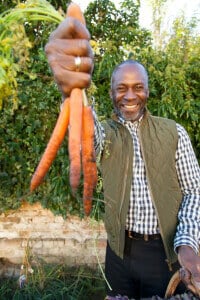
{"x": 14, "y": 44}
{"x": 55, "y": 282}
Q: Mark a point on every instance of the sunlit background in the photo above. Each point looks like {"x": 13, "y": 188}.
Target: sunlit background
{"x": 172, "y": 9}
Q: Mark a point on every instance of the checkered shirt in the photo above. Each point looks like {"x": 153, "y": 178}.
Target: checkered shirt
{"x": 141, "y": 215}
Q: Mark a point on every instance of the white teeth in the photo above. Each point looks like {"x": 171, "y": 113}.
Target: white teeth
{"x": 130, "y": 106}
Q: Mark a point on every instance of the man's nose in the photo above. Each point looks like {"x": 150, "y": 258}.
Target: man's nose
{"x": 130, "y": 95}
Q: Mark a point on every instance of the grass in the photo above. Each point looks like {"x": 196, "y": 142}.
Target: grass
{"x": 56, "y": 283}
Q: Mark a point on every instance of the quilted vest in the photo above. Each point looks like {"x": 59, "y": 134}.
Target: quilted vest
{"x": 158, "y": 139}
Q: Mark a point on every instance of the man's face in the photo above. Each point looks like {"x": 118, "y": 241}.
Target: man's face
{"x": 130, "y": 91}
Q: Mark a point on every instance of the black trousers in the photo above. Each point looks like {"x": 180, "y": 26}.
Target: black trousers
{"x": 142, "y": 273}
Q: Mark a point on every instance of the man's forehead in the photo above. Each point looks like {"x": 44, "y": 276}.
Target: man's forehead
{"x": 130, "y": 70}
{"x": 134, "y": 67}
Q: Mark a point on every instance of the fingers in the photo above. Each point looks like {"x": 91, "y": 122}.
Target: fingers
{"x": 78, "y": 47}
{"x": 70, "y": 28}
{"x": 81, "y": 81}
{"x": 196, "y": 285}
{"x": 186, "y": 278}
{"x": 61, "y": 63}
{"x": 196, "y": 281}
{"x": 69, "y": 41}
{"x": 68, "y": 78}
{"x": 61, "y": 56}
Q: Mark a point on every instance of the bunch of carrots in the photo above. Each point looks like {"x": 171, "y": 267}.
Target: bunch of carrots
{"x": 76, "y": 116}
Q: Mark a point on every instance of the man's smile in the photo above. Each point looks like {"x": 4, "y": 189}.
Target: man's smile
{"x": 129, "y": 107}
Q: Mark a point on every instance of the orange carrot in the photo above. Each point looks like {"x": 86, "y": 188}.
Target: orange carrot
{"x": 80, "y": 123}
{"x": 87, "y": 146}
{"x": 74, "y": 11}
{"x": 88, "y": 159}
{"x": 74, "y": 143}
{"x": 52, "y": 146}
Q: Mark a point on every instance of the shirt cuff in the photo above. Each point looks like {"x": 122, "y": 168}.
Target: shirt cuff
{"x": 185, "y": 240}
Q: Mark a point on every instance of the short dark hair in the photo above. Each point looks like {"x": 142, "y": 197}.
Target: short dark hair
{"x": 128, "y": 62}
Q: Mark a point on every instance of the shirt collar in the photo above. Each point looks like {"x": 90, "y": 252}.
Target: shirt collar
{"x": 134, "y": 124}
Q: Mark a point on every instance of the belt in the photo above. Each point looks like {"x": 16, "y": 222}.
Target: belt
{"x": 139, "y": 236}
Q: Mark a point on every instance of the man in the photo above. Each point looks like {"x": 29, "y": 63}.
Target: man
{"x": 150, "y": 175}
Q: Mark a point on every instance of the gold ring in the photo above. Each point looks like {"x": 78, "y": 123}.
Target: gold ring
{"x": 77, "y": 62}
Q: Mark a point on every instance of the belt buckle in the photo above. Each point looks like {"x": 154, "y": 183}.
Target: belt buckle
{"x": 145, "y": 236}
{"x": 130, "y": 234}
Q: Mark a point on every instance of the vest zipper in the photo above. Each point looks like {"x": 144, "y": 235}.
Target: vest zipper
{"x": 123, "y": 193}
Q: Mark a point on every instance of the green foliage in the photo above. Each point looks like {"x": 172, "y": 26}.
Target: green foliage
{"x": 174, "y": 78}
{"x": 15, "y": 45}
{"x": 55, "y": 282}
{"x": 7, "y": 4}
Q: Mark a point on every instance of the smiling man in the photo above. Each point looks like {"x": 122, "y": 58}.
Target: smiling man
{"x": 129, "y": 90}
{"x": 141, "y": 162}
{"x": 149, "y": 170}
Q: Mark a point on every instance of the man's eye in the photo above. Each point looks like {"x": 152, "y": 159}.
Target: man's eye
{"x": 139, "y": 87}
{"x": 120, "y": 89}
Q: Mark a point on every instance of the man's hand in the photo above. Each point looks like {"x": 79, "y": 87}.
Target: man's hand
{"x": 68, "y": 41}
{"x": 190, "y": 271}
